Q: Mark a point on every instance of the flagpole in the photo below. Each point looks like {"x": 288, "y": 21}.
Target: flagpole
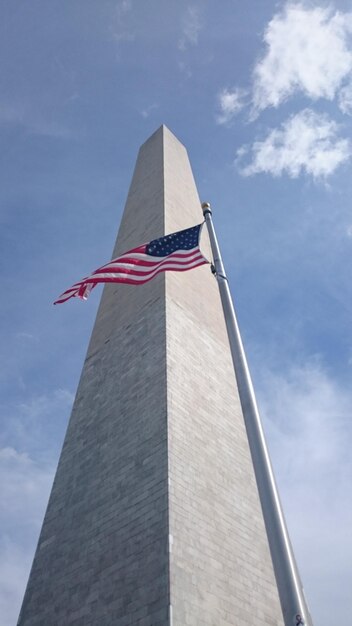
{"x": 293, "y": 603}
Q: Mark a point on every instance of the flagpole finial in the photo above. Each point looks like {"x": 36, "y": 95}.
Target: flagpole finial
{"x": 206, "y": 208}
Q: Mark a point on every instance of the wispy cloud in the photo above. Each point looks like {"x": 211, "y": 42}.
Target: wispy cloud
{"x": 307, "y": 416}
{"x": 307, "y": 142}
{"x": 124, "y": 6}
{"x": 51, "y": 129}
{"x": 118, "y": 27}
{"x": 32, "y": 122}
{"x": 191, "y": 27}
{"x": 24, "y": 486}
{"x": 185, "y": 69}
{"x": 147, "y": 111}
{"x": 11, "y": 113}
{"x": 21, "y": 480}
{"x": 230, "y": 102}
{"x": 307, "y": 50}
{"x": 26, "y": 474}
{"x": 32, "y": 421}
{"x": 21, "y": 335}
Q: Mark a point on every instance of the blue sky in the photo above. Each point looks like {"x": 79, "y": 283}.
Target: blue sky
{"x": 261, "y": 95}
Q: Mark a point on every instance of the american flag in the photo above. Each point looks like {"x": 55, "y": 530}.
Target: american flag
{"x": 177, "y": 252}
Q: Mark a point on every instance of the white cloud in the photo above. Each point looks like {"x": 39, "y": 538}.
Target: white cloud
{"x": 230, "y": 103}
{"x": 307, "y": 142}
{"x": 191, "y": 26}
{"x": 308, "y": 421}
{"x": 345, "y": 99}
{"x": 308, "y": 50}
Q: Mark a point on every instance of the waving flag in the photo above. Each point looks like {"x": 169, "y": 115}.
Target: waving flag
{"x": 177, "y": 252}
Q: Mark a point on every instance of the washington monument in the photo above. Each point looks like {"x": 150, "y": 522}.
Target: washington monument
{"x": 155, "y": 516}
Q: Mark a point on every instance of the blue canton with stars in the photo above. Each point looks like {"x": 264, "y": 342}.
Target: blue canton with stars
{"x": 183, "y": 240}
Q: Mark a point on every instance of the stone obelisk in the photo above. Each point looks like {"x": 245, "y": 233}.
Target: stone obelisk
{"x": 154, "y": 517}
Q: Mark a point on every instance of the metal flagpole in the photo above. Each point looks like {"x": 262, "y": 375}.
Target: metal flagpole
{"x": 293, "y": 603}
